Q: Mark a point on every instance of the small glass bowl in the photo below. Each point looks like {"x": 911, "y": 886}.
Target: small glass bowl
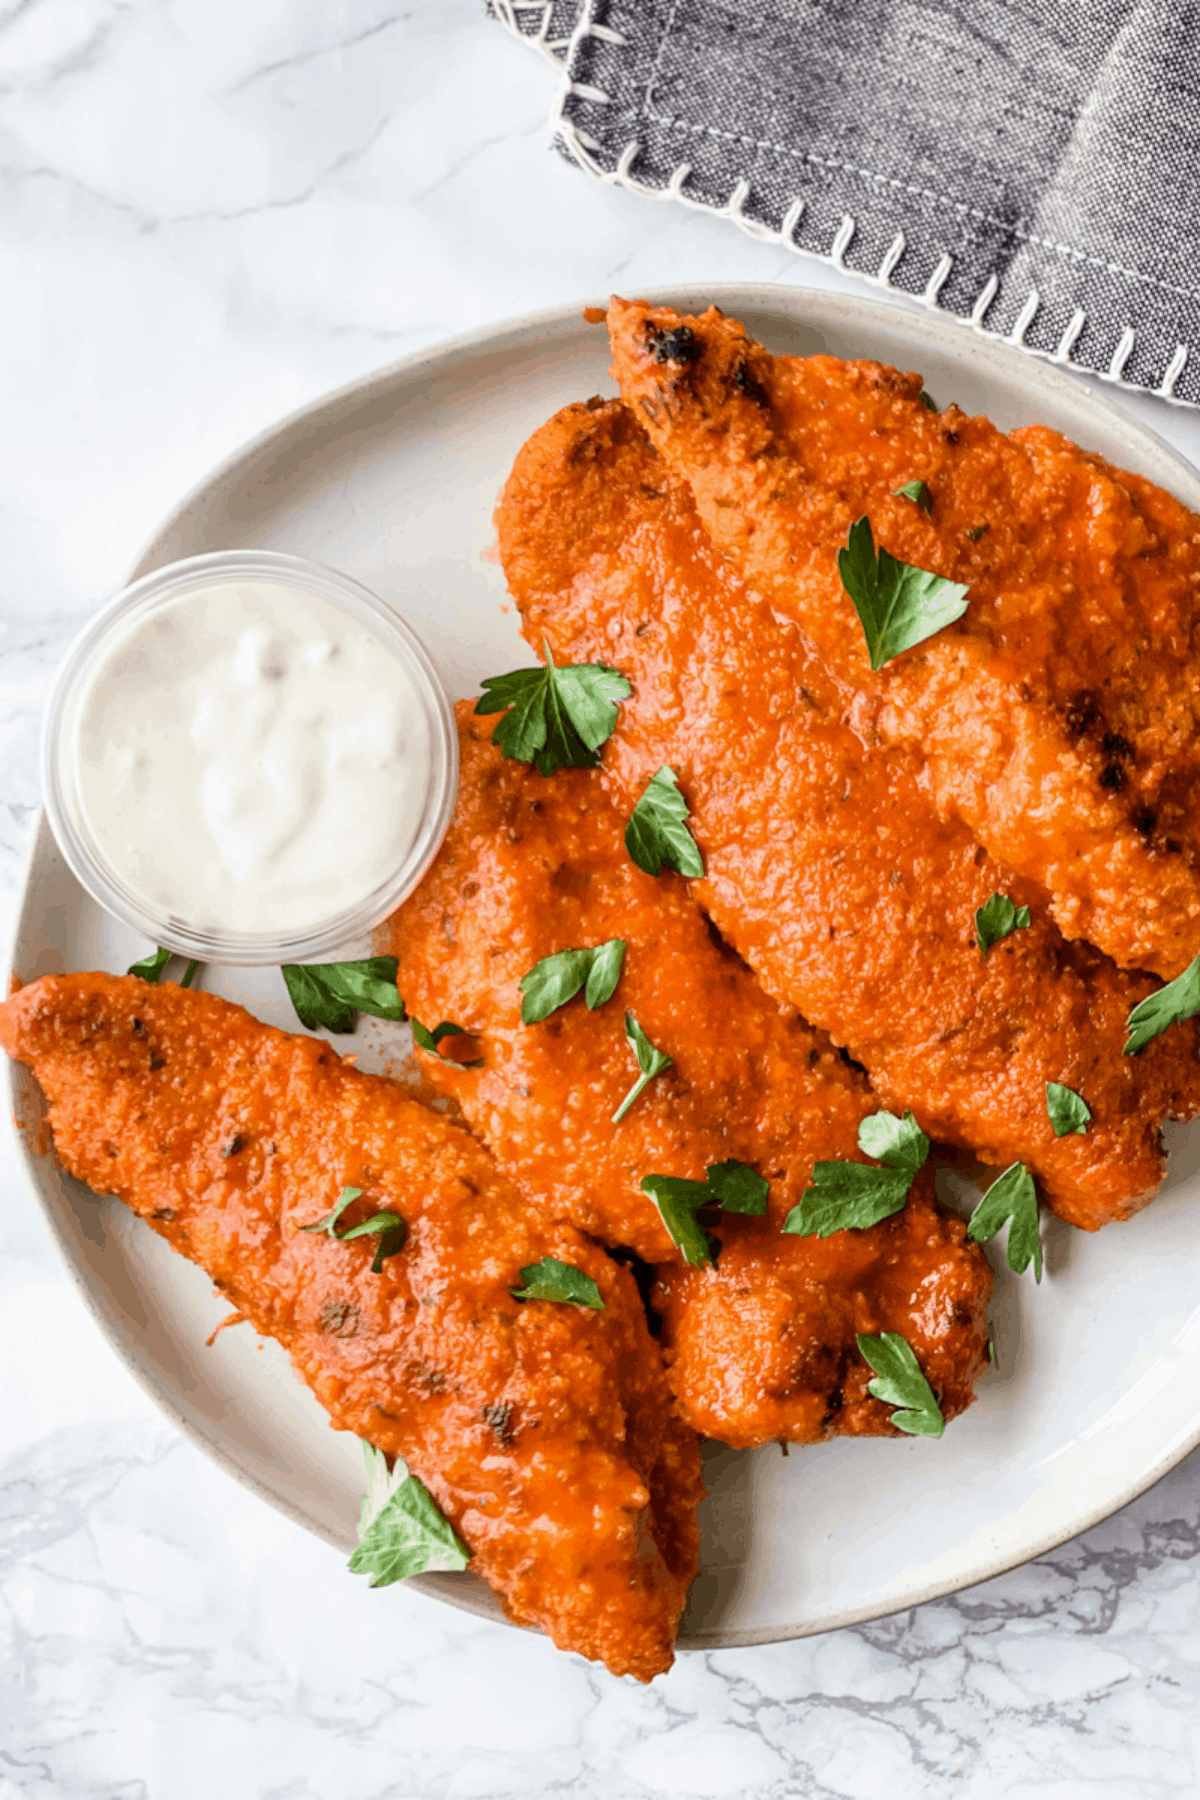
{"x": 86, "y": 855}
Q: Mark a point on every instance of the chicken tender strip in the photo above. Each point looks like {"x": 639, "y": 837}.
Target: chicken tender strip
{"x": 826, "y": 869}
{"x": 762, "y": 1346}
{"x": 1058, "y": 719}
{"x": 545, "y": 1432}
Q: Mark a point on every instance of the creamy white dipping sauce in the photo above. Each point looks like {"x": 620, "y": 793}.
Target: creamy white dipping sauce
{"x": 250, "y": 758}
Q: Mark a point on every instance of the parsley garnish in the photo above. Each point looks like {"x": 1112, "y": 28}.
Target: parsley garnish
{"x": 1011, "y": 1200}
{"x": 918, "y": 492}
{"x": 734, "y": 1186}
{"x": 853, "y": 1196}
{"x": 900, "y": 1383}
{"x": 996, "y": 918}
{"x": 897, "y": 605}
{"x": 554, "y": 1280}
{"x": 401, "y": 1529}
{"x": 1179, "y": 1000}
{"x": 151, "y": 967}
{"x": 430, "y": 1041}
{"x": 389, "y": 1227}
{"x": 657, "y": 834}
{"x": 329, "y": 994}
{"x": 927, "y": 401}
{"x": 651, "y": 1062}
{"x": 1067, "y": 1110}
{"x": 555, "y": 718}
{"x": 558, "y": 978}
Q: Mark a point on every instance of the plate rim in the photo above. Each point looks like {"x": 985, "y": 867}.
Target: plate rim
{"x": 526, "y": 330}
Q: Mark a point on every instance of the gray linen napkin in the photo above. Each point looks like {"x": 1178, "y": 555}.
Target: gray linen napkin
{"x": 1031, "y": 167}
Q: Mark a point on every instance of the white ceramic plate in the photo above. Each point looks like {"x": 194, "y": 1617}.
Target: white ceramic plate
{"x": 1094, "y": 1394}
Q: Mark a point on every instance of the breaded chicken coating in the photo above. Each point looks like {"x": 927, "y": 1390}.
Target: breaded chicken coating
{"x": 763, "y": 1345}
{"x": 827, "y": 869}
{"x": 545, "y": 1432}
{"x": 1059, "y": 718}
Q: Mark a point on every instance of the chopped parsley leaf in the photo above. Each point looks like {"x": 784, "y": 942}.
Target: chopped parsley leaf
{"x": 918, "y": 492}
{"x": 389, "y": 1227}
{"x": 657, "y": 835}
{"x": 551, "y": 1279}
{"x": 1011, "y": 1200}
{"x": 401, "y": 1529}
{"x": 1067, "y": 1110}
{"x": 848, "y": 1196}
{"x": 1178, "y": 1000}
{"x": 430, "y": 1041}
{"x": 554, "y": 718}
{"x": 651, "y": 1062}
{"x": 733, "y": 1186}
{"x": 900, "y": 1383}
{"x": 897, "y": 605}
{"x": 328, "y": 995}
{"x": 558, "y": 978}
{"x": 996, "y": 919}
{"x": 151, "y": 967}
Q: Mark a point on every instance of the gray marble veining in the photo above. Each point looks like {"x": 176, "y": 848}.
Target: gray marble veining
{"x": 213, "y": 210}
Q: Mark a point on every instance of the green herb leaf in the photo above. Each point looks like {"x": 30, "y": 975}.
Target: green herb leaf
{"x": 554, "y": 1280}
{"x": 900, "y": 1383}
{"x": 678, "y": 1202}
{"x": 401, "y": 1529}
{"x": 329, "y": 1222}
{"x": 327, "y": 995}
{"x": 430, "y": 1040}
{"x": 1011, "y": 1200}
{"x": 899, "y": 1143}
{"x": 1067, "y": 1110}
{"x": 151, "y": 967}
{"x": 928, "y": 402}
{"x": 734, "y": 1186}
{"x": 918, "y": 492}
{"x": 737, "y": 1188}
{"x": 897, "y": 605}
{"x": 848, "y": 1196}
{"x": 657, "y": 834}
{"x": 651, "y": 1062}
{"x": 390, "y": 1228}
{"x": 555, "y": 718}
{"x": 1179, "y": 1000}
{"x": 189, "y": 973}
{"x": 558, "y": 978}
{"x": 607, "y": 962}
{"x": 996, "y": 919}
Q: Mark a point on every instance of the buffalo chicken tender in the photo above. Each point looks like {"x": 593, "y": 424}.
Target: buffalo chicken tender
{"x": 1058, "y": 718}
{"x": 762, "y": 1346}
{"x": 827, "y": 870}
{"x": 545, "y": 1432}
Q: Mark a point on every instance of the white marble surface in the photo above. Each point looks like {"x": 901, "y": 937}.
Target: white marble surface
{"x": 213, "y": 210}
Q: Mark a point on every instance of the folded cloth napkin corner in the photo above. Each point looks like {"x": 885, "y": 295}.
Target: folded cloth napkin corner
{"x": 1033, "y": 171}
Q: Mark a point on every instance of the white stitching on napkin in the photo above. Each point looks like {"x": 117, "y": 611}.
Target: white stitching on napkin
{"x": 1066, "y": 342}
{"x": 1121, "y": 354}
{"x": 1173, "y": 371}
{"x": 841, "y": 241}
{"x": 892, "y": 256}
{"x": 987, "y": 294}
{"x": 1024, "y": 318}
{"x": 578, "y": 144}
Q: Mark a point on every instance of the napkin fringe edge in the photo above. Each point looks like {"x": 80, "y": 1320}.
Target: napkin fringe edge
{"x": 578, "y": 146}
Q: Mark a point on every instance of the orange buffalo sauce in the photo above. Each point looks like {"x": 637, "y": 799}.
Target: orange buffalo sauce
{"x": 828, "y": 869}
{"x": 1059, "y": 718}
